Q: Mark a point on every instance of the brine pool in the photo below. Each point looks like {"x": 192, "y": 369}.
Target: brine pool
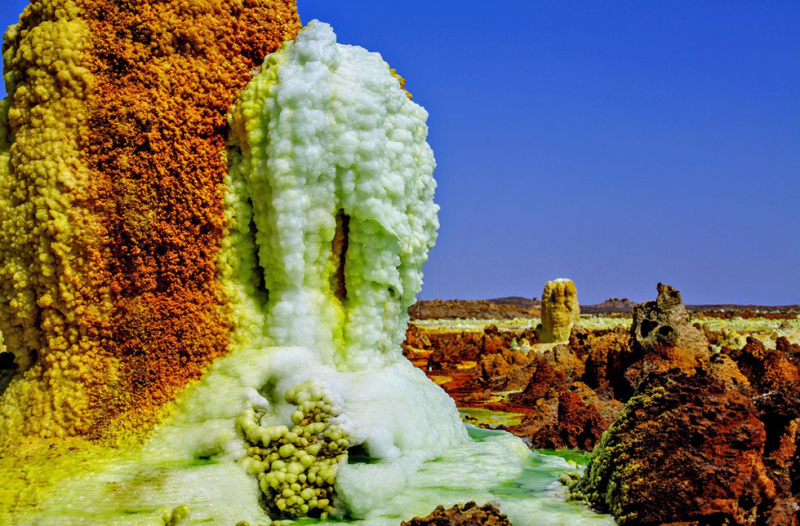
{"x": 535, "y": 497}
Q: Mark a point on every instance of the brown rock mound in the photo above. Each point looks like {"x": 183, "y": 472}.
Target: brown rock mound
{"x": 546, "y": 382}
{"x": 766, "y": 370}
{"x": 579, "y": 425}
{"x": 790, "y": 350}
{"x": 662, "y": 334}
{"x": 469, "y": 514}
{"x": 780, "y": 412}
{"x": 686, "y": 448}
{"x": 705, "y": 439}
{"x": 564, "y": 358}
{"x": 609, "y": 356}
{"x": 504, "y": 370}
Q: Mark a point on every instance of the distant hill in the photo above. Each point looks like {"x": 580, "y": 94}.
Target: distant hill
{"x": 478, "y": 309}
{"x": 739, "y": 308}
{"x": 519, "y": 301}
{"x": 610, "y": 306}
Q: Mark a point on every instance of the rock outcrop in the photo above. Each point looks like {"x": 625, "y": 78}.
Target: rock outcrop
{"x": 469, "y": 514}
{"x": 662, "y": 335}
{"x": 579, "y": 425}
{"x": 766, "y": 370}
{"x": 546, "y": 382}
{"x": 504, "y": 370}
{"x": 705, "y": 438}
{"x": 790, "y": 350}
{"x": 560, "y": 310}
{"x": 685, "y": 448}
{"x": 606, "y": 364}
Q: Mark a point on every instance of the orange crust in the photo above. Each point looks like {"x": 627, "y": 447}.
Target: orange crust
{"x": 167, "y": 72}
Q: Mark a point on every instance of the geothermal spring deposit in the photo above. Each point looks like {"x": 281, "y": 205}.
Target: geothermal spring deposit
{"x": 214, "y": 222}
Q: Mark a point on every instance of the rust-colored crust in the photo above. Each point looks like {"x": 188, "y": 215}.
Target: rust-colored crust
{"x": 167, "y": 72}
{"x": 151, "y": 143}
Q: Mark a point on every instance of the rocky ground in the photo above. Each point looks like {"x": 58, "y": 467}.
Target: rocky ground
{"x": 469, "y": 514}
{"x": 567, "y": 393}
{"x": 703, "y": 410}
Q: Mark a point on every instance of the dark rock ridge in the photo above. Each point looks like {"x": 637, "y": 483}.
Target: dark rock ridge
{"x": 519, "y": 301}
{"x": 519, "y": 307}
{"x": 610, "y": 306}
{"x": 481, "y": 310}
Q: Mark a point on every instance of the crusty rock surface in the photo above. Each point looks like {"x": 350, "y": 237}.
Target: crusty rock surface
{"x": 579, "y": 425}
{"x": 705, "y": 438}
{"x": 505, "y": 370}
{"x": 779, "y": 409}
{"x": 546, "y": 382}
{"x": 686, "y": 448}
{"x": 662, "y": 333}
{"x": 766, "y": 370}
{"x": 469, "y": 514}
{"x": 560, "y": 310}
{"x": 790, "y": 350}
{"x": 608, "y": 359}
{"x": 564, "y": 358}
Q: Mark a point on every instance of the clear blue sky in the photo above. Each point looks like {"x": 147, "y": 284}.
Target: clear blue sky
{"x": 614, "y": 143}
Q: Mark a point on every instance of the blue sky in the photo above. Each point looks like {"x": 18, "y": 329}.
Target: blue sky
{"x": 614, "y": 143}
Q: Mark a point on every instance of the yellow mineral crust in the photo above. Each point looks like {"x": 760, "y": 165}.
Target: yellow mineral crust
{"x": 560, "y": 310}
{"x": 112, "y": 206}
{"x": 47, "y": 227}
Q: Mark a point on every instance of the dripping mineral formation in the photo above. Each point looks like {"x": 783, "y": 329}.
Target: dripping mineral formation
{"x": 206, "y": 316}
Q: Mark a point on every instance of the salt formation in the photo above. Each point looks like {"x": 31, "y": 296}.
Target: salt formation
{"x": 560, "y": 310}
{"x": 335, "y": 164}
{"x": 307, "y": 404}
{"x": 700, "y": 441}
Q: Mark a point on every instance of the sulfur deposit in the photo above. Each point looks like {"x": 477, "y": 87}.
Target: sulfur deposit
{"x": 560, "y": 310}
{"x": 206, "y": 265}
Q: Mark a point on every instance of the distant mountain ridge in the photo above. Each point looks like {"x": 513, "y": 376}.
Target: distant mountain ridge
{"x": 623, "y": 305}
{"x": 519, "y": 301}
{"x": 519, "y": 307}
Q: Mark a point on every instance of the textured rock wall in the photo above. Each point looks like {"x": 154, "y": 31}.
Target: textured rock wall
{"x": 112, "y": 162}
{"x": 705, "y": 438}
